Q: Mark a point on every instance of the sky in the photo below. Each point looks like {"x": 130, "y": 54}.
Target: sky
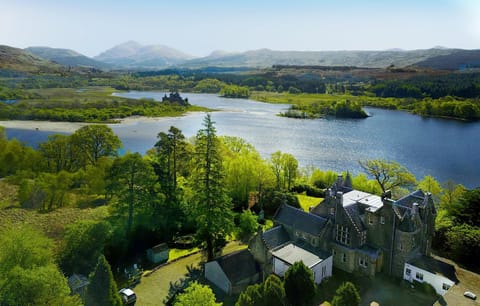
{"x": 200, "y": 27}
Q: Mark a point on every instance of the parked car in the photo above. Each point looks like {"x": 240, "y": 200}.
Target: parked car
{"x": 128, "y": 296}
{"x": 470, "y": 295}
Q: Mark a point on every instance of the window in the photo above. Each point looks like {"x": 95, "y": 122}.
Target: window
{"x": 400, "y": 247}
{"x": 324, "y": 271}
{"x": 382, "y": 220}
{"x": 343, "y": 234}
{"x": 344, "y": 257}
{"x": 363, "y": 237}
{"x": 408, "y": 271}
{"x": 332, "y": 211}
{"x": 363, "y": 262}
{"x": 445, "y": 286}
{"x": 334, "y": 252}
{"x": 419, "y": 276}
{"x": 370, "y": 219}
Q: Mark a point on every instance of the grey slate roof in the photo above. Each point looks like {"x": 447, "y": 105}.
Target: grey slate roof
{"x": 298, "y": 219}
{"x": 415, "y": 197}
{"x": 353, "y": 214}
{"x": 275, "y": 236}
{"x": 239, "y": 265}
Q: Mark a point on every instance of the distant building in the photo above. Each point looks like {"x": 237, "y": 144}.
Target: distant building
{"x": 158, "y": 253}
{"x": 363, "y": 233}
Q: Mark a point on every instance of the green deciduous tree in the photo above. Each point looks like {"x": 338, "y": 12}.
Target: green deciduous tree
{"x": 346, "y": 295}
{"x": 388, "y": 174}
{"x": 132, "y": 180}
{"x": 83, "y": 243}
{"x": 95, "y": 141}
{"x": 274, "y": 291}
{"x": 429, "y": 184}
{"x": 285, "y": 168}
{"x": 213, "y": 206}
{"x": 247, "y": 225}
{"x": 196, "y": 294}
{"x": 102, "y": 289}
{"x": 28, "y": 275}
{"x": 299, "y": 284}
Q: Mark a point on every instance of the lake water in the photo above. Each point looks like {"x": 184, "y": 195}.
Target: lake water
{"x": 442, "y": 148}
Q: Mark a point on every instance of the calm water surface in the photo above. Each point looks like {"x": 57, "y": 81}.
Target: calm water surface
{"x": 445, "y": 149}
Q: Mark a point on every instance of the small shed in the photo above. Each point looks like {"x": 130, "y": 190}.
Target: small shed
{"x": 234, "y": 272}
{"x": 158, "y": 253}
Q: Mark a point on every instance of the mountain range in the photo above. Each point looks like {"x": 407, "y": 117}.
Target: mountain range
{"x": 134, "y": 56}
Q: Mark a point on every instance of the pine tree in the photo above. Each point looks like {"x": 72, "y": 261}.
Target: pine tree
{"x": 213, "y": 206}
{"x": 102, "y": 289}
{"x": 299, "y": 284}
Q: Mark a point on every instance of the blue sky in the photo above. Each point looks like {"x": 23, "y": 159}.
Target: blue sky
{"x": 200, "y": 27}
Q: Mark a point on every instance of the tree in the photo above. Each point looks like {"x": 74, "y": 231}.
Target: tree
{"x": 346, "y": 295}
{"x": 299, "y": 284}
{"x": 95, "y": 141}
{"x": 83, "y": 243}
{"x": 102, "y": 289}
{"x": 196, "y": 294}
{"x": 170, "y": 148}
{"x": 388, "y": 174}
{"x": 252, "y": 296}
{"x": 213, "y": 206}
{"x": 467, "y": 208}
{"x": 247, "y": 225}
{"x": 429, "y": 184}
{"x": 273, "y": 291}
{"x": 58, "y": 153}
{"x": 28, "y": 274}
{"x": 285, "y": 168}
{"x": 132, "y": 180}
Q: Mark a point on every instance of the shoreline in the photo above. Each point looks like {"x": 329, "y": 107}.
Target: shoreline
{"x": 70, "y": 127}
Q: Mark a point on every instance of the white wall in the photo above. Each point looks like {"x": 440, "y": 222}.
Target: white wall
{"x": 435, "y": 280}
{"x": 279, "y": 266}
{"x": 215, "y": 274}
{"x": 327, "y": 263}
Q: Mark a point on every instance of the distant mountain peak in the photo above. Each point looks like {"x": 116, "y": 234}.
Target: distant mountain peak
{"x": 131, "y": 54}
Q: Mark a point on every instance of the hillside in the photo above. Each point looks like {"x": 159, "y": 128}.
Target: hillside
{"x": 66, "y": 57}
{"x": 21, "y": 60}
{"x": 134, "y": 55}
{"x": 371, "y": 59}
{"x": 458, "y": 59}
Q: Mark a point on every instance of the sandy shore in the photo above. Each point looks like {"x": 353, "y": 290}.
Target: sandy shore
{"x": 67, "y": 127}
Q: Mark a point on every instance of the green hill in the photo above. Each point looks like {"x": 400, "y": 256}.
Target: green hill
{"x": 67, "y": 57}
{"x": 20, "y": 60}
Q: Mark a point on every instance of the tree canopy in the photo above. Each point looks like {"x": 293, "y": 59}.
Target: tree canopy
{"x": 299, "y": 284}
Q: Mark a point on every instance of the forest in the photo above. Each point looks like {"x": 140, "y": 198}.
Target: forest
{"x": 214, "y": 189}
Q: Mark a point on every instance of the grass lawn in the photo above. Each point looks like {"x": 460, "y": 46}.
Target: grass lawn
{"x": 153, "y": 289}
{"x": 306, "y": 202}
{"x": 52, "y": 223}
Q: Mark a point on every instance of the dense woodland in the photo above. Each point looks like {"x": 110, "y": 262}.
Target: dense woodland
{"x": 214, "y": 188}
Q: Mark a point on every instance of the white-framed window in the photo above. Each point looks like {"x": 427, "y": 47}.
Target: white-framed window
{"x": 382, "y": 220}
{"x": 363, "y": 262}
{"x": 408, "y": 271}
{"x": 344, "y": 257}
{"x": 445, "y": 286}
{"x": 334, "y": 252}
{"x": 343, "y": 234}
{"x": 400, "y": 247}
{"x": 332, "y": 211}
{"x": 324, "y": 271}
{"x": 370, "y": 219}
{"x": 419, "y": 276}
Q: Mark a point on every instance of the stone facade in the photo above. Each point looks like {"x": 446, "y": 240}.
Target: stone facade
{"x": 365, "y": 233}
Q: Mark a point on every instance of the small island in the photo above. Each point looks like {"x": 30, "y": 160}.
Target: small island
{"x": 341, "y": 109}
